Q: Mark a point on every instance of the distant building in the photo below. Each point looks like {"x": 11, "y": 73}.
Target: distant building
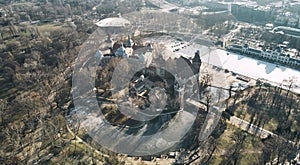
{"x": 114, "y": 25}
{"x": 274, "y": 55}
{"x": 269, "y": 26}
{"x": 292, "y": 22}
{"x": 281, "y": 20}
{"x": 113, "y": 22}
{"x": 289, "y": 31}
{"x": 252, "y": 13}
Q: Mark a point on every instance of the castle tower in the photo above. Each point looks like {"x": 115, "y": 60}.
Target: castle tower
{"x": 129, "y": 42}
{"x": 179, "y": 89}
{"x": 181, "y": 97}
{"x": 110, "y": 41}
{"x": 196, "y": 62}
{"x": 121, "y": 52}
{"x": 224, "y": 42}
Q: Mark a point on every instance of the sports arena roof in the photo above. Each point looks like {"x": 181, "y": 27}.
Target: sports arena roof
{"x": 113, "y": 22}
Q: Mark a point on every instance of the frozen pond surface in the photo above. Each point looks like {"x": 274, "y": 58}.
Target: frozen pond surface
{"x": 246, "y": 66}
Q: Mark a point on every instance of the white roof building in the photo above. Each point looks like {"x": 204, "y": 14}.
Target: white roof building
{"x": 292, "y": 22}
{"x": 113, "y": 22}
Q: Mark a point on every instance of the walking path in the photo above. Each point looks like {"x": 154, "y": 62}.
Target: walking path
{"x": 242, "y": 124}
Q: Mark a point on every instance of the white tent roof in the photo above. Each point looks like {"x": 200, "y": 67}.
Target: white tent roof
{"x": 113, "y": 22}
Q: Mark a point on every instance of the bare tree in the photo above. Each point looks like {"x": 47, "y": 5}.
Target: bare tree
{"x": 3, "y": 108}
{"x": 233, "y": 156}
{"x": 208, "y": 101}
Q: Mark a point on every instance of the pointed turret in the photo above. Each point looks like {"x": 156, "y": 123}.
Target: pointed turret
{"x": 121, "y": 52}
{"x": 129, "y": 42}
{"x": 110, "y": 41}
{"x": 196, "y": 62}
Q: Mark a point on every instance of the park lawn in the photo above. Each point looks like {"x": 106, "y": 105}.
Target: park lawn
{"x": 250, "y": 152}
{"x": 243, "y": 110}
{"x": 76, "y": 148}
{"x": 271, "y": 125}
{"x": 48, "y": 28}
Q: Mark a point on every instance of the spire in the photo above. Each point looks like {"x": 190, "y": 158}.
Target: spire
{"x": 108, "y": 38}
{"x": 129, "y": 42}
{"x": 150, "y": 48}
{"x": 197, "y": 58}
{"x": 121, "y": 52}
{"x": 110, "y": 41}
{"x": 196, "y": 62}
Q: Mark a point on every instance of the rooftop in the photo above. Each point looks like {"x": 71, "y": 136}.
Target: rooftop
{"x": 113, "y": 22}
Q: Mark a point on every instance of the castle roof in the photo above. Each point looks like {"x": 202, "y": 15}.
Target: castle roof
{"x": 99, "y": 54}
{"x": 121, "y": 52}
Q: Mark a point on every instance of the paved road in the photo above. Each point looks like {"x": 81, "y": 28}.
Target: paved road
{"x": 250, "y": 128}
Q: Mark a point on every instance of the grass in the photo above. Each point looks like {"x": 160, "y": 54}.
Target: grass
{"x": 75, "y": 148}
{"x": 271, "y": 125}
{"x": 244, "y": 110}
{"x": 249, "y": 158}
{"x": 224, "y": 139}
{"x": 215, "y": 160}
{"x": 48, "y": 28}
{"x": 249, "y": 153}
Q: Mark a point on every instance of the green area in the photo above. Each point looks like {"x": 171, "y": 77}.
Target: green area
{"x": 272, "y": 108}
{"x": 249, "y": 153}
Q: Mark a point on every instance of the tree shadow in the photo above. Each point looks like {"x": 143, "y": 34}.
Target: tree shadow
{"x": 240, "y": 57}
{"x": 282, "y": 68}
{"x": 260, "y": 62}
{"x": 270, "y": 68}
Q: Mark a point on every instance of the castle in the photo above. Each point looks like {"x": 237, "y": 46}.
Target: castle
{"x": 182, "y": 79}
